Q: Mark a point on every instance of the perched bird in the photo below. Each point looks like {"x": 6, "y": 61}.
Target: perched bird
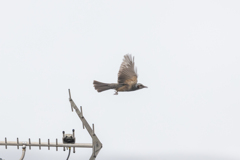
{"x": 127, "y": 78}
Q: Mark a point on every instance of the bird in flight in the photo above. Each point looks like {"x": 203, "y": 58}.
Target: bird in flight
{"x": 127, "y": 78}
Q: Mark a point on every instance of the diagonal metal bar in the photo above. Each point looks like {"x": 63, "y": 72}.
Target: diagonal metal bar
{"x": 97, "y": 145}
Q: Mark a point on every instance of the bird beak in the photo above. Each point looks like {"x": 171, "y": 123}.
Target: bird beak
{"x": 145, "y": 87}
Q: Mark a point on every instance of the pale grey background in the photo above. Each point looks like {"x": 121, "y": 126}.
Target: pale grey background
{"x": 187, "y": 53}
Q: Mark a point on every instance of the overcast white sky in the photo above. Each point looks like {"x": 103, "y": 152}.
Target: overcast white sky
{"x": 186, "y": 52}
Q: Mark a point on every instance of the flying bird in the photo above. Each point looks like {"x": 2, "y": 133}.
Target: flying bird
{"x": 127, "y": 78}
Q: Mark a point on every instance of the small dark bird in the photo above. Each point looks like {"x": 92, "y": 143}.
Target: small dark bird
{"x": 127, "y": 78}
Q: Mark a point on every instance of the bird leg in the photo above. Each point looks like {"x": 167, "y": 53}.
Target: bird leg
{"x": 116, "y": 93}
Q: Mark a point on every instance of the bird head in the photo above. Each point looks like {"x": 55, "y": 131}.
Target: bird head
{"x": 140, "y": 86}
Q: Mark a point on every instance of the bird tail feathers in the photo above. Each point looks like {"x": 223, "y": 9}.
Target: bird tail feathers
{"x": 99, "y": 86}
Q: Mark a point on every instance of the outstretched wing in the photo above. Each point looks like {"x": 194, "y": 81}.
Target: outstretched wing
{"x": 127, "y": 73}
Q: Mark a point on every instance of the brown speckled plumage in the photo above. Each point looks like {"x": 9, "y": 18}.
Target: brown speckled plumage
{"x": 127, "y": 78}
